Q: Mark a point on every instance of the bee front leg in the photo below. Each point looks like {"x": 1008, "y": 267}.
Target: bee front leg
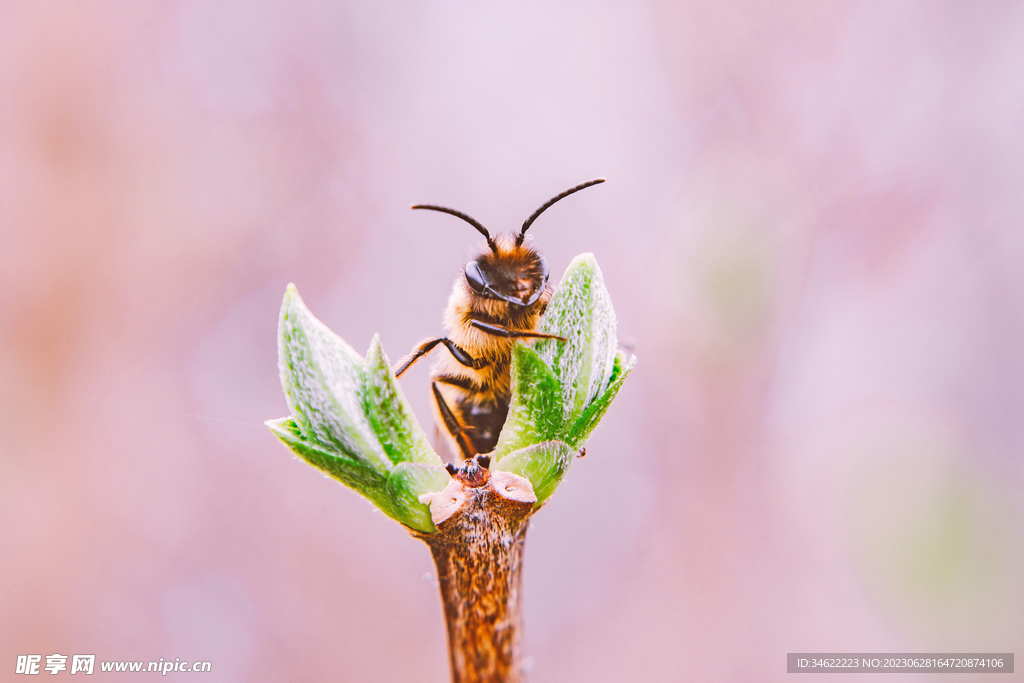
{"x": 458, "y": 353}
{"x": 452, "y": 424}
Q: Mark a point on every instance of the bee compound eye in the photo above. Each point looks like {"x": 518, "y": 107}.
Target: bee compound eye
{"x": 475, "y": 277}
{"x": 544, "y": 273}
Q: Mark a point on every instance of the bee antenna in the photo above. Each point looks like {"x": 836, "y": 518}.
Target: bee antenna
{"x": 548, "y": 203}
{"x": 469, "y": 219}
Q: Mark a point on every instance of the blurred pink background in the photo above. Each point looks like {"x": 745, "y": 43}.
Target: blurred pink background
{"x": 811, "y": 231}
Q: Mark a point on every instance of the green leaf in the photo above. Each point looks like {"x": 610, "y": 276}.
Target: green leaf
{"x": 581, "y": 312}
{"x": 544, "y": 464}
{"x": 535, "y": 411}
{"x": 389, "y": 413}
{"x": 407, "y": 483}
{"x": 322, "y": 377}
{"x": 561, "y": 390}
{"x": 351, "y": 419}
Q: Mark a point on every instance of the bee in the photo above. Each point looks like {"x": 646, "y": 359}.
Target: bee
{"x": 496, "y": 301}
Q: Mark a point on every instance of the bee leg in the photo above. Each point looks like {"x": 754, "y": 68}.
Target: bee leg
{"x": 426, "y": 347}
{"x": 499, "y": 331}
{"x": 417, "y": 353}
{"x": 452, "y": 424}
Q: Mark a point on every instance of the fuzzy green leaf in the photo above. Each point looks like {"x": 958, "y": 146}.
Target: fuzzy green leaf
{"x": 322, "y": 377}
{"x": 581, "y": 312}
{"x": 389, "y": 413}
{"x": 560, "y": 390}
{"x": 544, "y": 464}
{"x": 407, "y": 483}
{"x": 351, "y": 419}
{"x": 535, "y": 411}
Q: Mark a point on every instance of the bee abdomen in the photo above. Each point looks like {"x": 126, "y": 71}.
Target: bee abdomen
{"x": 483, "y": 422}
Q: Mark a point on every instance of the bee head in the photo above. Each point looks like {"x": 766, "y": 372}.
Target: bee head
{"x": 511, "y": 272}
{"x": 515, "y": 274}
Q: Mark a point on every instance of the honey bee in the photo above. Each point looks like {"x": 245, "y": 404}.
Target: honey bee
{"x": 498, "y": 300}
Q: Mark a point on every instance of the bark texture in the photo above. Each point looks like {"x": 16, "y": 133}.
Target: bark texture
{"x": 478, "y": 551}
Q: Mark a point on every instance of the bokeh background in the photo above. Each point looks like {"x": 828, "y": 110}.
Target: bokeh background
{"x": 811, "y": 231}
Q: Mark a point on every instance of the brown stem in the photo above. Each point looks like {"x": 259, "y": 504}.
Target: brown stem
{"x": 478, "y": 550}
